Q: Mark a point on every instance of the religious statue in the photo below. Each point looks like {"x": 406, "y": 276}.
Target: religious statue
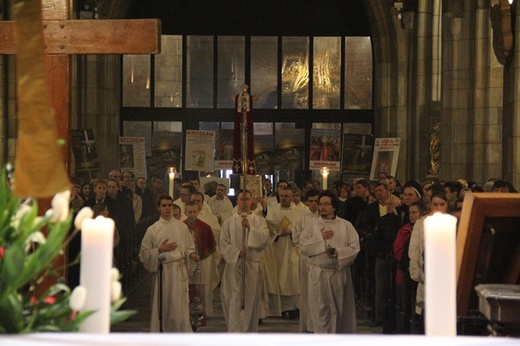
{"x": 435, "y": 150}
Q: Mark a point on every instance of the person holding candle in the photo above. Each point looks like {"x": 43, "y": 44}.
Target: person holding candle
{"x": 169, "y": 240}
{"x": 438, "y": 203}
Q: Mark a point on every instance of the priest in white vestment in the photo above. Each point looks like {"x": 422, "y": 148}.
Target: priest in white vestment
{"x": 169, "y": 240}
{"x": 220, "y": 204}
{"x": 244, "y": 235}
{"x": 281, "y": 221}
{"x": 332, "y": 244}
{"x": 305, "y": 321}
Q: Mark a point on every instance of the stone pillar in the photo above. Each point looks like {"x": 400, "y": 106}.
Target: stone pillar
{"x": 97, "y": 95}
{"x": 487, "y": 132}
{"x": 458, "y": 80}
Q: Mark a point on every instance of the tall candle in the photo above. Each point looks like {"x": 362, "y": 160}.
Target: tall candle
{"x": 97, "y": 238}
{"x": 440, "y": 275}
{"x": 324, "y": 174}
{"x": 171, "y": 174}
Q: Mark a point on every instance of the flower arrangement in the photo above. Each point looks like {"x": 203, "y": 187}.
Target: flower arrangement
{"x": 26, "y": 258}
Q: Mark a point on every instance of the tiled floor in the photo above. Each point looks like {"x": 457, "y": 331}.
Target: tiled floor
{"x": 139, "y": 299}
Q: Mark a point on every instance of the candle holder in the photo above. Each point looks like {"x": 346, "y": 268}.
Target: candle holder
{"x": 324, "y": 174}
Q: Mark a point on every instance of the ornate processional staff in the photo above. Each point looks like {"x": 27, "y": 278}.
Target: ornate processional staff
{"x": 244, "y": 101}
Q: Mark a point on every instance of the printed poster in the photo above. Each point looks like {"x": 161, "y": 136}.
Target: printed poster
{"x": 84, "y": 148}
{"x": 325, "y": 149}
{"x": 139, "y": 129}
{"x": 386, "y": 155}
{"x": 200, "y": 146}
{"x": 132, "y": 155}
{"x": 166, "y": 152}
{"x": 290, "y": 149}
{"x": 264, "y": 154}
{"x": 264, "y": 148}
{"x": 357, "y": 154}
{"x": 224, "y": 159}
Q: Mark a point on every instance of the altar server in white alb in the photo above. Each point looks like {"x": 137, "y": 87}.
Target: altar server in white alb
{"x": 244, "y": 236}
{"x": 332, "y": 244}
{"x": 169, "y": 240}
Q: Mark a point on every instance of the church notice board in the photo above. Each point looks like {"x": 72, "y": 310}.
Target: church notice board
{"x": 488, "y": 244}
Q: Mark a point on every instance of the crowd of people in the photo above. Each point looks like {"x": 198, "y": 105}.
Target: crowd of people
{"x": 306, "y": 254}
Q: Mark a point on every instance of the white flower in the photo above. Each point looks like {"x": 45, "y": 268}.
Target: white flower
{"x": 114, "y": 275}
{"x": 78, "y": 297}
{"x": 36, "y": 237}
{"x": 84, "y": 213}
{"x": 22, "y": 210}
{"x": 116, "y": 291}
{"x": 60, "y": 206}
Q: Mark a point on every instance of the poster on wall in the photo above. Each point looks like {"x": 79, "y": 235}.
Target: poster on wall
{"x": 289, "y": 149}
{"x": 264, "y": 154}
{"x": 224, "y": 155}
{"x": 386, "y": 155}
{"x": 166, "y": 152}
{"x": 132, "y": 156}
{"x": 139, "y": 129}
{"x": 357, "y": 154}
{"x": 200, "y": 146}
{"x": 84, "y": 148}
{"x": 325, "y": 149}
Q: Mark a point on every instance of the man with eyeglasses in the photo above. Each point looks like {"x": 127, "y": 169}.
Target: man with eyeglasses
{"x": 332, "y": 244}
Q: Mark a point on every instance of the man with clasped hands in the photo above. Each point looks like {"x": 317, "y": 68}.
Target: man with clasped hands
{"x": 168, "y": 242}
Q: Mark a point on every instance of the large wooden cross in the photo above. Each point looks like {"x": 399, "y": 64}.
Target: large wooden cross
{"x": 63, "y": 38}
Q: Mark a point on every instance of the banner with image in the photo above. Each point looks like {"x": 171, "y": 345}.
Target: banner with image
{"x": 325, "y": 149}
{"x": 84, "y": 149}
{"x": 200, "y": 146}
{"x": 386, "y": 155}
{"x": 224, "y": 159}
{"x": 132, "y": 155}
{"x": 289, "y": 149}
{"x": 357, "y": 154}
{"x": 166, "y": 152}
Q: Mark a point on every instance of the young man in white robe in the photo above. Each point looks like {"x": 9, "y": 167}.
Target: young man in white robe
{"x": 168, "y": 241}
{"x": 220, "y": 204}
{"x": 244, "y": 235}
{"x": 305, "y": 321}
{"x": 332, "y": 244}
{"x": 211, "y": 273}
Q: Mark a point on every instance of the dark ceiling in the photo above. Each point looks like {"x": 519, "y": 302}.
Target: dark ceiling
{"x": 267, "y": 17}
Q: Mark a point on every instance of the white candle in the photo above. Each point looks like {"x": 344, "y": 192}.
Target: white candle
{"x": 440, "y": 275}
{"x": 97, "y": 238}
{"x": 171, "y": 173}
{"x": 324, "y": 174}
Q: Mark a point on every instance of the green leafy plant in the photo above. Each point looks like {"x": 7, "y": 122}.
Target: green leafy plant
{"x": 26, "y": 258}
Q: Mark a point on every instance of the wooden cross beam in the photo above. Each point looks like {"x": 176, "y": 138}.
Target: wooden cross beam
{"x": 63, "y": 38}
